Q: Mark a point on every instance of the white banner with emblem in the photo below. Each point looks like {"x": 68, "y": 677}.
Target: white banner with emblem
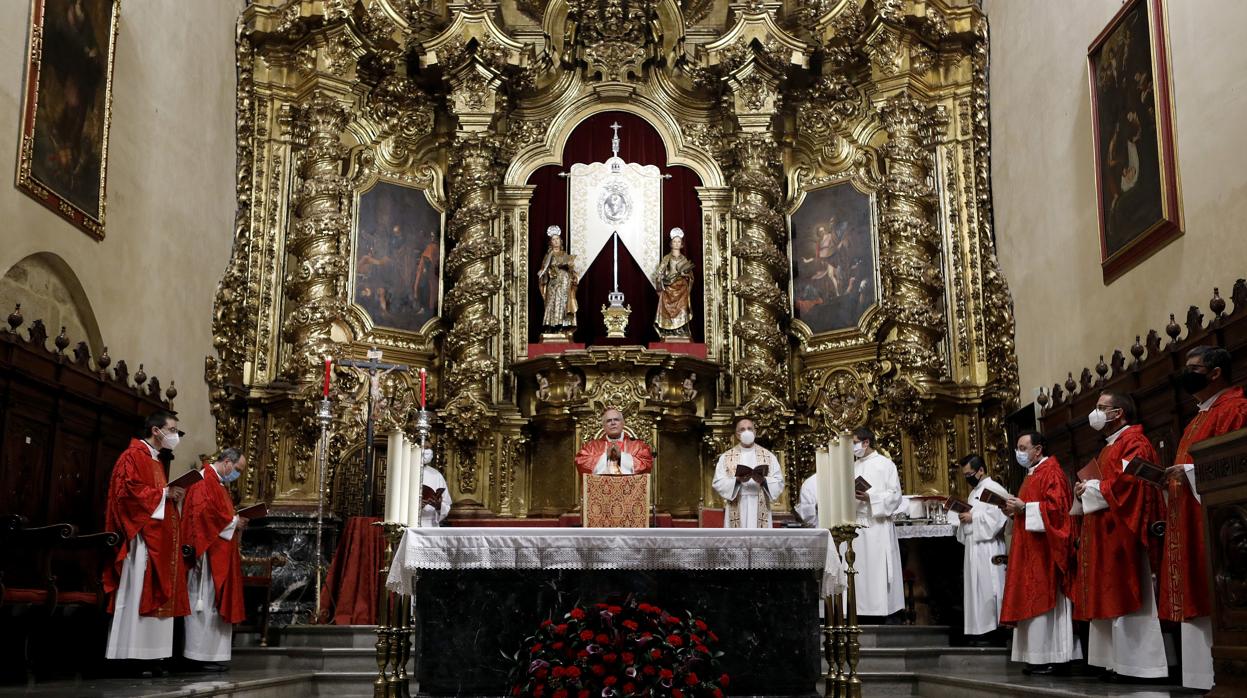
{"x": 614, "y": 196}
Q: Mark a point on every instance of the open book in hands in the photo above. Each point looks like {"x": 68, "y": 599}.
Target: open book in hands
{"x": 957, "y": 506}
{"x": 1090, "y": 471}
{"x": 1146, "y": 471}
{"x": 187, "y": 479}
{"x": 989, "y": 497}
{"x": 744, "y": 473}
{"x": 431, "y": 496}
{"x": 255, "y": 511}
{"x": 861, "y": 484}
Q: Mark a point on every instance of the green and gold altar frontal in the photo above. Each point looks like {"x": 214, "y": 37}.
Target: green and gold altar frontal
{"x": 791, "y": 201}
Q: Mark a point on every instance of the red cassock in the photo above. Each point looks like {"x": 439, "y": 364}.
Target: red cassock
{"x": 134, "y": 492}
{"x": 207, "y": 511}
{"x": 589, "y": 455}
{"x": 1039, "y": 562}
{"x": 1184, "y": 576}
{"x": 1112, "y": 541}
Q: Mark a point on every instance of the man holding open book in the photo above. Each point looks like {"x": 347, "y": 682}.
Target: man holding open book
{"x": 749, "y": 479}
{"x": 981, "y": 530}
{"x": 881, "y": 586}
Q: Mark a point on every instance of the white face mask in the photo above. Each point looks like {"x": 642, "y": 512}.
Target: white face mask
{"x": 746, "y": 437}
{"x": 859, "y": 449}
{"x": 1024, "y": 458}
{"x": 170, "y": 441}
{"x": 428, "y": 456}
{"x": 1097, "y": 419}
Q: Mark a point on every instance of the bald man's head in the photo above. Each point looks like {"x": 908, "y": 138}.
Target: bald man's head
{"x": 612, "y": 423}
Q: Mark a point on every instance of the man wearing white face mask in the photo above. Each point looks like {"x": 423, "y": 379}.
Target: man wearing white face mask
{"x": 1113, "y": 586}
{"x": 880, "y": 584}
{"x": 749, "y": 479}
{"x": 434, "y": 495}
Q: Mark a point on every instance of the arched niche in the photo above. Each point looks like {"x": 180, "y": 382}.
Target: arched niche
{"x": 49, "y": 290}
{"x": 641, "y": 142}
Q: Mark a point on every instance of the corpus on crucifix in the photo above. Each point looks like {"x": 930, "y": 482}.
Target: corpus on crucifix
{"x": 376, "y": 371}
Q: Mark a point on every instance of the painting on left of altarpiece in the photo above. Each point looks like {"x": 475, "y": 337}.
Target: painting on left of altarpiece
{"x": 63, "y": 158}
{"x": 398, "y": 256}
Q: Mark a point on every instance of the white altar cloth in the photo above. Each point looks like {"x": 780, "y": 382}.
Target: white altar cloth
{"x": 930, "y": 530}
{"x": 615, "y": 549}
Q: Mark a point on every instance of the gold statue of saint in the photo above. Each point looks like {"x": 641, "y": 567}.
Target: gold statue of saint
{"x": 675, "y": 292}
{"x": 557, "y": 282}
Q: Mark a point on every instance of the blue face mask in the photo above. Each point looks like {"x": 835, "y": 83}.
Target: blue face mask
{"x": 233, "y": 475}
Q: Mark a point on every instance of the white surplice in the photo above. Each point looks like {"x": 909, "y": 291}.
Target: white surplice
{"x": 751, "y": 504}
{"x": 983, "y": 538}
{"x": 130, "y": 635}
{"x": 880, "y": 585}
{"x": 1048, "y": 638}
{"x": 208, "y": 637}
{"x": 431, "y": 517}
{"x": 807, "y": 504}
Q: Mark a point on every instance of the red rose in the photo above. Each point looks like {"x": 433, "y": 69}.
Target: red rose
{"x": 701, "y": 625}
{"x": 582, "y": 654}
{"x": 655, "y": 654}
{"x": 556, "y": 646}
{"x": 671, "y": 620}
{"x": 561, "y": 629}
{"x": 695, "y": 640}
{"x": 691, "y": 679}
{"x": 598, "y": 670}
{"x": 609, "y": 681}
{"x": 718, "y": 693}
{"x": 666, "y": 674}
{"x": 615, "y": 609}
{"x": 515, "y": 691}
{"x": 610, "y": 657}
{"x": 573, "y": 672}
{"x": 629, "y": 687}
{"x": 725, "y": 680}
{"x": 536, "y": 647}
{"x": 541, "y": 673}
{"x": 586, "y": 634}
{"x": 675, "y": 640}
{"x": 599, "y": 605}
{"x": 703, "y": 649}
{"x": 677, "y": 693}
{"x": 646, "y": 635}
{"x": 648, "y": 670}
{"x": 561, "y": 693}
{"x": 539, "y": 691}
{"x": 547, "y": 623}
{"x": 712, "y": 636}
{"x": 630, "y": 624}
{"x": 577, "y": 613}
{"x": 602, "y": 638}
{"x": 583, "y": 694}
{"x": 629, "y": 657}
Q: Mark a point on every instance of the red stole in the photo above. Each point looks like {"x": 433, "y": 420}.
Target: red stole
{"x": 1038, "y": 562}
{"x": 589, "y": 455}
{"x": 208, "y": 510}
{"x": 1183, "y": 577}
{"x": 1112, "y": 541}
{"x": 134, "y": 490}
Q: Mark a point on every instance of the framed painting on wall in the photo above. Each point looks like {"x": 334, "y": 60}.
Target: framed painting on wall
{"x": 833, "y": 252}
{"x": 63, "y": 155}
{"x": 397, "y": 266}
{"x": 1136, "y": 173}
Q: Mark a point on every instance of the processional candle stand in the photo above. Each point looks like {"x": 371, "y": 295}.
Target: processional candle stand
{"x": 322, "y": 454}
{"x": 837, "y": 512}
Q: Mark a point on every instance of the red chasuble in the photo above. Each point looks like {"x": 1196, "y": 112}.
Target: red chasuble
{"x": 1039, "y": 562}
{"x": 589, "y": 455}
{"x": 207, "y": 511}
{"x": 134, "y": 492}
{"x": 1112, "y": 541}
{"x": 1184, "y": 576}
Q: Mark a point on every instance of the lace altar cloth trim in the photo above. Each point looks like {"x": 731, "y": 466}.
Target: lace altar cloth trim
{"x": 614, "y": 549}
{"x": 925, "y": 531}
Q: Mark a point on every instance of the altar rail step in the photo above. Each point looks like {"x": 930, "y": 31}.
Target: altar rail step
{"x": 904, "y": 636}
{"x": 330, "y": 659}
{"x": 952, "y": 659}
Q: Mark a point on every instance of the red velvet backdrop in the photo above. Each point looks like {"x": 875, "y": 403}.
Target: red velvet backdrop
{"x": 640, "y": 143}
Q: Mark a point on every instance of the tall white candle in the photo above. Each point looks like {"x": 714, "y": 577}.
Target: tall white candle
{"x": 822, "y": 483}
{"x": 845, "y": 478}
{"x": 404, "y": 478}
{"x": 391, "y": 477}
{"x": 415, "y": 456}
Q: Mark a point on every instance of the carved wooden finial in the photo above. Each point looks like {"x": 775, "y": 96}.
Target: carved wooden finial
{"x": 61, "y": 341}
{"x": 140, "y": 376}
{"x": 1173, "y": 329}
{"x": 82, "y": 354}
{"x": 1042, "y": 398}
{"x": 171, "y": 392}
{"x": 15, "y": 318}
{"x": 104, "y": 359}
{"x": 1217, "y": 304}
{"x": 1194, "y": 321}
{"x": 1070, "y": 385}
{"x": 1101, "y": 370}
{"x": 1136, "y": 351}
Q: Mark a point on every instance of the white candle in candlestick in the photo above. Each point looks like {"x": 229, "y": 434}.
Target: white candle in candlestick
{"x": 391, "y": 477}
{"x": 822, "y": 489}
{"x": 404, "y": 480}
{"x": 845, "y": 478}
{"x": 415, "y": 507}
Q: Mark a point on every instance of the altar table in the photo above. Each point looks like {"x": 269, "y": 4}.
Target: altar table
{"x": 479, "y": 592}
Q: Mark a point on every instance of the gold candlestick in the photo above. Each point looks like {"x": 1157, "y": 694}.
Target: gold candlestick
{"x": 850, "y": 686}
{"x": 387, "y": 615}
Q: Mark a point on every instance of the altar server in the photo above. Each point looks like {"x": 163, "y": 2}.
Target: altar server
{"x": 436, "y": 496}
{"x": 1184, "y": 596}
{"x": 748, "y": 497}
{"x": 1037, "y": 579}
{"x": 807, "y": 503}
{"x": 982, "y": 531}
{"x": 880, "y": 586}
{"x": 213, "y": 530}
{"x": 145, "y": 584}
{"x": 615, "y": 453}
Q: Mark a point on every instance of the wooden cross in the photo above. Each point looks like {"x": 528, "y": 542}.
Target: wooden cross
{"x": 372, "y": 365}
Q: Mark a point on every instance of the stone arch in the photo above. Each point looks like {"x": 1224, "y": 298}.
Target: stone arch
{"x": 49, "y": 290}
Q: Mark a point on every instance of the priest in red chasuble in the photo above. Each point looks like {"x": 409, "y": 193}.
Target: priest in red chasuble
{"x": 615, "y": 453}
{"x": 1117, "y": 549}
{"x": 146, "y": 584}
{"x": 210, "y": 526}
{"x": 1036, "y": 597}
{"x": 1183, "y": 580}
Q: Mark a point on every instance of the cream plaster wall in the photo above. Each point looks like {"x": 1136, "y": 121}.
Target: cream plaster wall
{"x": 170, "y": 192}
{"x": 1044, "y": 192}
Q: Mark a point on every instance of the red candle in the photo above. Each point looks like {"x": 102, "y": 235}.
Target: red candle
{"x": 423, "y": 375}
{"x": 328, "y": 363}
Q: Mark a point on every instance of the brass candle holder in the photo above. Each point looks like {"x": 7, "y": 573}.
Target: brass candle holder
{"x": 393, "y": 624}
{"x": 842, "y": 647}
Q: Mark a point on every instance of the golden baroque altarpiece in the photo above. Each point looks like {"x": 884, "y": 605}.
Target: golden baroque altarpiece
{"x": 765, "y": 101}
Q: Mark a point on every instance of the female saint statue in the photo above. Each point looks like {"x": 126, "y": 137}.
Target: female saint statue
{"x": 557, "y": 282}
{"x": 675, "y": 292}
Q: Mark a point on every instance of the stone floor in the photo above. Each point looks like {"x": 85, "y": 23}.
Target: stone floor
{"x": 338, "y": 662}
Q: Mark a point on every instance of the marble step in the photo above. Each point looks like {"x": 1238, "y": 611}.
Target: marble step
{"x": 358, "y": 636}
{"x": 884, "y": 659}
{"x": 903, "y": 636}
{"x": 1012, "y": 682}
{"x": 331, "y": 659}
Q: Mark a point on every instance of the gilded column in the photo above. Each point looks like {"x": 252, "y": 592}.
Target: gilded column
{"x": 315, "y": 279}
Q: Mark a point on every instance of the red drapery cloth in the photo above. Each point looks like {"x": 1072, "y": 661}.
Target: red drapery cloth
{"x": 681, "y": 208}
{"x": 349, "y": 596}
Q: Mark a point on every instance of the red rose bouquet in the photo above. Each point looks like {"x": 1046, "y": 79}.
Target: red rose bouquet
{"x": 607, "y": 650}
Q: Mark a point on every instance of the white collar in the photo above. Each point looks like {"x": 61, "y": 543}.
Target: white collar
{"x": 1113, "y": 437}
{"x": 615, "y": 441}
{"x": 152, "y": 449}
{"x": 1032, "y": 468}
{"x": 1207, "y": 404}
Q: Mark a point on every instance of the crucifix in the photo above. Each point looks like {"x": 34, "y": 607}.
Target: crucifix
{"x": 615, "y": 139}
{"x": 376, "y": 371}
